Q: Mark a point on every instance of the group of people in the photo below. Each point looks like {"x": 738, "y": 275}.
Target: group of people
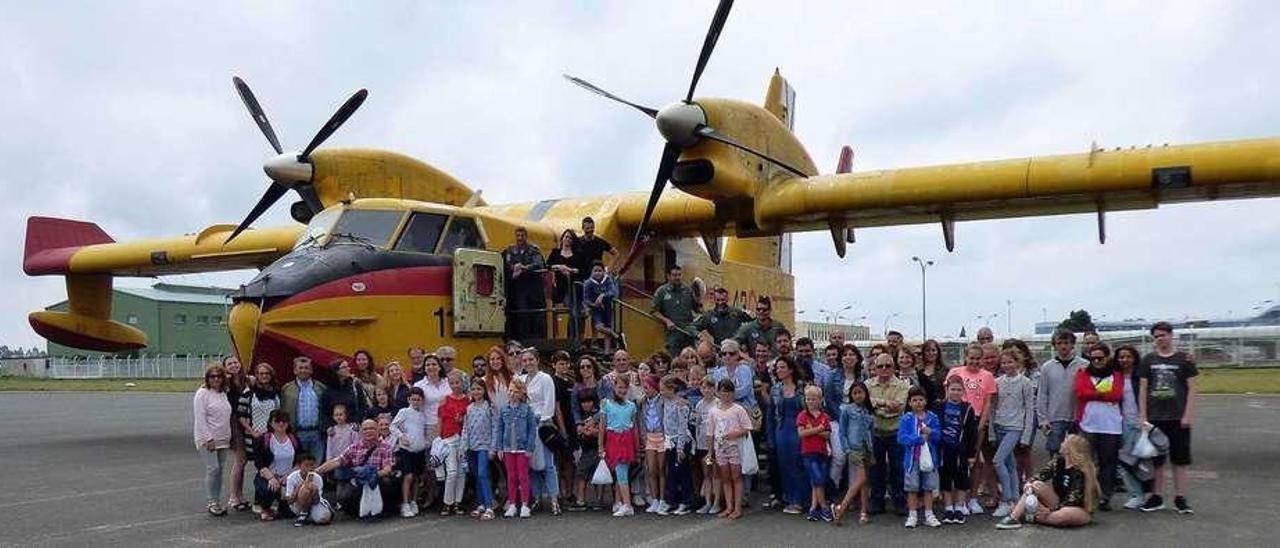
{"x": 735, "y": 407}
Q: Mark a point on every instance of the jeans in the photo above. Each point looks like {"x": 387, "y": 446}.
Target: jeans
{"x": 679, "y": 477}
{"x": 262, "y": 494}
{"x": 480, "y": 468}
{"x": 1057, "y": 433}
{"x": 214, "y": 462}
{"x": 1106, "y": 454}
{"x": 887, "y": 474}
{"x": 312, "y": 441}
{"x": 1006, "y": 466}
{"x": 546, "y": 481}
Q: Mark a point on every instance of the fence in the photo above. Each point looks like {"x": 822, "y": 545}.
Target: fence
{"x": 142, "y": 367}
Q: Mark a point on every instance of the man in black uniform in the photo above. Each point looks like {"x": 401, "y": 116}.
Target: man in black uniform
{"x": 591, "y": 246}
{"x": 525, "y": 292}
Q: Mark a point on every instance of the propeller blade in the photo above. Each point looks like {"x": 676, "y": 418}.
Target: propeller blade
{"x": 308, "y": 193}
{"x": 273, "y": 193}
{"x": 709, "y": 45}
{"x": 345, "y": 111}
{"x": 652, "y": 112}
{"x": 255, "y": 110}
{"x": 708, "y": 132}
{"x": 670, "y": 153}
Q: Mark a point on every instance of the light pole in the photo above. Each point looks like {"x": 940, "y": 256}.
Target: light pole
{"x": 1008, "y": 317}
{"x": 924, "y": 302}
{"x": 886, "y": 322}
{"x": 833, "y": 317}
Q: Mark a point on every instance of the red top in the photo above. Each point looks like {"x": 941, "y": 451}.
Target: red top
{"x": 453, "y": 410}
{"x": 1087, "y": 390}
{"x": 815, "y": 444}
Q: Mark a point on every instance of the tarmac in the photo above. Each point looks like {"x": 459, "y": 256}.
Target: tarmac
{"x": 121, "y": 469}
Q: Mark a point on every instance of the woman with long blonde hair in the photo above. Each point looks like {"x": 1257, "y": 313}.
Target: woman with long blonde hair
{"x": 1065, "y": 491}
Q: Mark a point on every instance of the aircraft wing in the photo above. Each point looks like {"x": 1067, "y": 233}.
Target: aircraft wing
{"x": 67, "y": 247}
{"x": 1097, "y": 181}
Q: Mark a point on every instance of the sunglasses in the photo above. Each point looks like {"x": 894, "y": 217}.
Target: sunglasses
{"x": 1097, "y": 358}
{"x": 728, "y": 353}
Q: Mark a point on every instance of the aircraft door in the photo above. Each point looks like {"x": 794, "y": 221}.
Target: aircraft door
{"x": 479, "y": 302}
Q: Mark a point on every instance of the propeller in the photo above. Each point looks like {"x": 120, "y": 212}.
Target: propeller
{"x": 682, "y": 124}
{"x": 289, "y": 170}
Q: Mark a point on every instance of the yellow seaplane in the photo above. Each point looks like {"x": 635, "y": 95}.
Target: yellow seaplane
{"x": 389, "y": 252}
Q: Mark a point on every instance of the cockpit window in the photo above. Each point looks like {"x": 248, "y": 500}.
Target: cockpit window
{"x": 318, "y": 228}
{"x": 369, "y": 226}
{"x": 422, "y": 233}
{"x": 462, "y": 233}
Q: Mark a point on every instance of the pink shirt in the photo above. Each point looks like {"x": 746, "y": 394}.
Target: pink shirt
{"x": 977, "y": 386}
{"x": 212, "y": 418}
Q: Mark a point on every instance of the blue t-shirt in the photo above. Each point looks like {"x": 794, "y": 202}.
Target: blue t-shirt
{"x": 619, "y": 417}
{"x": 952, "y": 423}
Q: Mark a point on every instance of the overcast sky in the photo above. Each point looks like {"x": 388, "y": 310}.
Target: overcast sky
{"x": 123, "y": 113}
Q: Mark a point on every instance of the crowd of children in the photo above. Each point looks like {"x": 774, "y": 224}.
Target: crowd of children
{"x": 678, "y": 436}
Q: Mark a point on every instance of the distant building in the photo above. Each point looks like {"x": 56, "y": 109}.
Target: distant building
{"x": 820, "y": 332}
{"x": 1268, "y": 317}
{"x": 177, "y": 319}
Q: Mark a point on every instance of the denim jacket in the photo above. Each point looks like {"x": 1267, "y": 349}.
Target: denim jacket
{"x": 856, "y": 426}
{"x": 675, "y": 423}
{"x": 833, "y": 392}
{"x": 517, "y": 427}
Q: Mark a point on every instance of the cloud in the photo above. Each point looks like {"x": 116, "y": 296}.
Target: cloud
{"x": 123, "y": 113}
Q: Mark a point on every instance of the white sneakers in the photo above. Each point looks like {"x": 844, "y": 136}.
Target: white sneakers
{"x": 682, "y": 510}
{"x": 911, "y": 520}
{"x": 524, "y": 511}
{"x": 406, "y": 511}
{"x": 663, "y": 509}
{"x": 931, "y": 520}
{"x": 511, "y": 511}
{"x": 975, "y": 508}
{"x": 625, "y": 510}
{"x": 1134, "y": 503}
{"x": 1002, "y": 510}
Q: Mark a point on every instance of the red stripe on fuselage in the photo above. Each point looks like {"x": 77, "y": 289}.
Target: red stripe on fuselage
{"x": 415, "y": 280}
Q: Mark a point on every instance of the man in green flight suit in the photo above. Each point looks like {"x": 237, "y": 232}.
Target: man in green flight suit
{"x": 763, "y": 329}
{"x": 673, "y": 304}
{"x": 723, "y": 321}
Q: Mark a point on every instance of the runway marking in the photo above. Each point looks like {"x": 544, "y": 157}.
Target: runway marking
{"x": 113, "y": 528}
{"x": 99, "y": 492}
{"x": 680, "y": 534}
{"x": 377, "y": 533}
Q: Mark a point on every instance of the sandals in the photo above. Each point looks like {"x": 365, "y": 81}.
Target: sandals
{"x": 446, "y": 510}
{"x": 863, "y": 519}
{"x": 476, "y": 513}
{"x": 487, "y": 515}
{"x": 216, "y": 510}
{"x": 267, "y": 516}
{"x": 838, "y": 512}
{"x": 238, "y": 505}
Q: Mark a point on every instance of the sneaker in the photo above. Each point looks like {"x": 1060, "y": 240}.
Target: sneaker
{"x": 1180, "y": 503}
{"x": 525, "y": 511}
{"x": 406, "y": 511}
{"x": 413, "y": 505}
{"x": 1154, "y": 503}
{"x": 578, "y": 507}
{"x": 826, "y": 515}
{"x": 962, "y": 509}
{"x": 555, "y": 508}
{"x": 705, "y": 509}
{"x": 663, "y": 509}
{"x": 911, "y": 521}
{"x": 487, "y": 514}
{"x": 931, "y": 520}
{"x": 511, "y": 511}
{"x": 624, "y": 511}
{"x": 301, "y": 521}
{"x": 792, "y": 509}
{"x": 946, "y": 516}
{"x": 812, "y": 514}
{"x": 1002, "y": 510}
{"x": 1008, "y": 523}
{"x": 959, "y": 519}
{"x": 975, "y": 508}
{"x": 682, "y": 510}
{"x": 1134, "y": 503}
{"x": 637, "y": 500}
{"x": 715, "y": 509}
{"x": 616, "y": 506}
{"x": 652, "y": 508}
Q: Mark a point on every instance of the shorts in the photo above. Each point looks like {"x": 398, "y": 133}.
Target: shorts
{"x": 600, "y": 317}
{"x": 655, "y": 441}
{"x": 586, "y": 465}
{"x": 953, "y": 473}
{"x": 728, "y": 452}
{"x": 915, "y": 481}
{"x": 410, "y": 462}
{"x": 816, "y": 467}
{"x": 1179, "y": 442}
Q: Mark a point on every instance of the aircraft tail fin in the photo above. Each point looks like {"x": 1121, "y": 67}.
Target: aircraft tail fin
{"x": 51, "y": 242}
{"x": 781, "y": 100}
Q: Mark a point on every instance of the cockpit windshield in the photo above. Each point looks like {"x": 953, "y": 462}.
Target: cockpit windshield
{"x": 366, "y": 226}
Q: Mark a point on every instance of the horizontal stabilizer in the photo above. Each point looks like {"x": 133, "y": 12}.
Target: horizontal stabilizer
{"x": 51, "y": 242}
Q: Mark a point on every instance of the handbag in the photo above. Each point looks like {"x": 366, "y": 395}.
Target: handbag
{"x": 750, "y": 464}
{"x": 1143, "y": 448}
{"x": 926, "y": 458}
{"x": 552, "y": 438}
{"x": 370, "y": 501}
{"x": 602, "y": 475}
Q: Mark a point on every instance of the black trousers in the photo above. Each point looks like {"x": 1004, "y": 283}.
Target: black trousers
{"x": 1106, "y": 453}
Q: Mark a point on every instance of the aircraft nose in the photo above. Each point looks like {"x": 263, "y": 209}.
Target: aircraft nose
{"x": 288, "y": 170}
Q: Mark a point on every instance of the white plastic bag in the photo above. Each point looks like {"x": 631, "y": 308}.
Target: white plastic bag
{"x": 1143, "y": 448}
{"x": 750, "y": 464}
{"x": 370, "y": 501}
{"x": 602, "y": 475}
{"x": 926, "y": 458}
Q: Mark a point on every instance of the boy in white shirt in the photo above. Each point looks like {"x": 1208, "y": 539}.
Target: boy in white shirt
{"x": 410, "y": 429}
{"x": 303, "y": 496}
